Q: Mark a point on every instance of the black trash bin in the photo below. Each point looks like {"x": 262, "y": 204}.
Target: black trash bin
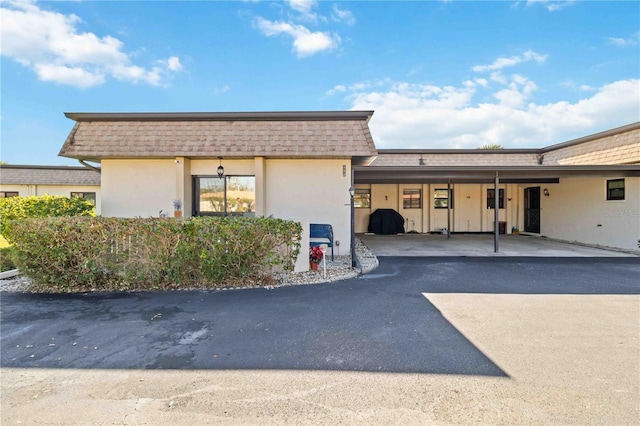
{"x": 502, "y": 227}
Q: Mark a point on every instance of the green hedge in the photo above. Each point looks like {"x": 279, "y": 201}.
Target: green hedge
{"x": 16, "y": 208}
{"x": 6, "y": 259}
{"x": 78, "y": 254}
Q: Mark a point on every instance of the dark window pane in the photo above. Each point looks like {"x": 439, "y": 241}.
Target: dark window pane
{"x": 491, "y": 198}
{"x": 615, "y": 189}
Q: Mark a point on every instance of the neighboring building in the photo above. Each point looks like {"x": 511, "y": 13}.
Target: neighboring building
{"x": 25, "y": 180}
{"x": 301, "y": 164}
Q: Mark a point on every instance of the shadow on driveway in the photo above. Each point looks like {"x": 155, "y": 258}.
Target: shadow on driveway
{"x": 379, "y": 322}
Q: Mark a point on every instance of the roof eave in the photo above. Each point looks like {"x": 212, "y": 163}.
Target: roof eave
{"x": 222, "y": 116}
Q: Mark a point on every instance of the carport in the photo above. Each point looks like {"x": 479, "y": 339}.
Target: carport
{"x": 478, "y": 245}
{"x": 527, "y": 206}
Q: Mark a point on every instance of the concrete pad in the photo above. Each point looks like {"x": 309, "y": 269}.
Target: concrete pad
{"x": 471, "y": 245}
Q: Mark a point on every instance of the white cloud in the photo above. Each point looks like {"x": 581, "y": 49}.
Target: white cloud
{"x": 50, "y": 44}
{"x": 425, "y": 116}
{"x": 625, "y": 42}
{"x": 503, "y": 62}
{"x": 552, "y": 5}
{"x": 355, "y": 87}
{"x": 305, "y": 42}
{"x": 302, "y": 6}
{"x": 62, "y": 74}
{"x": 340, "y": 88}
{"x": 305, "y": 9}
{"x": 342, "y": 15}
{"x": 220, "y": 90}
{"x": 173, "y": 64}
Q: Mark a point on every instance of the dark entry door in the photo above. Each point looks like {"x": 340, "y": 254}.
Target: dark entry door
{"x": 532, "y": 210}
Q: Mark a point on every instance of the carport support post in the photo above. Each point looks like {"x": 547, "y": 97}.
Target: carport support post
{"x": 448, "y": 209}
{"x": 352, "y": 193}
{"x": 496, "y": 213}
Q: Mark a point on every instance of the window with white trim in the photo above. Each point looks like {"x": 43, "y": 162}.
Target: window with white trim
{"x": 411, "y": 198}
{"x": 441, "y": 200}
{"x": 362, "y": 198}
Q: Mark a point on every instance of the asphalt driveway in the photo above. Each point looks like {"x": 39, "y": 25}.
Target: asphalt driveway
{"x": 547, "y": 322}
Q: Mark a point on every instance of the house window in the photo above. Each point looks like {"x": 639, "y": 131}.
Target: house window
{"x": 362, "y": 198}
{"x": 226, "y": 196}
{"x": 440, "y": 199}
{"x": 412, "y": 198}
{"x": 491, "y": 198}
{"x": 615, "y": 189}
{"x": 8, "y": 194}
{"x": 90, "y": 196}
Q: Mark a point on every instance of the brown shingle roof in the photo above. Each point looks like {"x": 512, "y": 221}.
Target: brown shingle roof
{"x": 273, "y": 134}
{"x": 457, "y": 158}
{"x": 11, "y": 174}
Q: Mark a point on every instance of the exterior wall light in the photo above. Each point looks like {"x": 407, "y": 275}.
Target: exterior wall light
{"x": 545, "y": 192}
{"x": 220, "y": 169}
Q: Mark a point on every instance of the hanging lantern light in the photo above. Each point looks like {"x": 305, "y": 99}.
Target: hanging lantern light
{"x": 220, "y": 169}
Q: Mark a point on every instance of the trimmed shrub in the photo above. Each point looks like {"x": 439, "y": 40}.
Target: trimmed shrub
{"x": 112, "y": 254}
{"x": 6, "y": 259}
{"x": 16, "y": 208}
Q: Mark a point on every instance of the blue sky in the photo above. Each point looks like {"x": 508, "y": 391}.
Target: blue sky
{"x": 439, "y": 74}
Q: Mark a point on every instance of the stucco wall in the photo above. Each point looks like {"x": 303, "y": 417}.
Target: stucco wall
{"x": 412, "y": 217}
{"x": 362, "y": 214}
{"x": 63, "y": 190}
{"x": 133, "y": 188}
{"x": 313, "y": 189}
{"x": 488, "y": 215}
{"x": 231, "y": 167}
{"x": 469, "y": 212}
{"x": 577, "y": 210}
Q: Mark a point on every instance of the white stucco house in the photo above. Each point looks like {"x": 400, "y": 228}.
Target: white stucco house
{"x": 300, "y": 165}
{"x": 28, "y": 180}
{"x": 292, "y": 165}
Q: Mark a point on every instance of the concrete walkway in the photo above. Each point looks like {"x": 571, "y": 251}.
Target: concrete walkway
{"x": 471, "y": 245}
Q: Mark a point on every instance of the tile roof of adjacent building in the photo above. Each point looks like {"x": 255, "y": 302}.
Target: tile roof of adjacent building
{"x": 304, "y": 134}
{"x": 11, "y": 174}
{"x": 595, "y": 136}
{"x": 462, "y": 157}
{"x": 620, "y": 145}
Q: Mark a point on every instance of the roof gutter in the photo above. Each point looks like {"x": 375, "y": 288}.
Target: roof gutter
{"x": 221, "y": 116}
{"x": 94, "y": 168}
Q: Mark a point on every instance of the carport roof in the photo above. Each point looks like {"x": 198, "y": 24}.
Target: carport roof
{"x": 486, "y": 174}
